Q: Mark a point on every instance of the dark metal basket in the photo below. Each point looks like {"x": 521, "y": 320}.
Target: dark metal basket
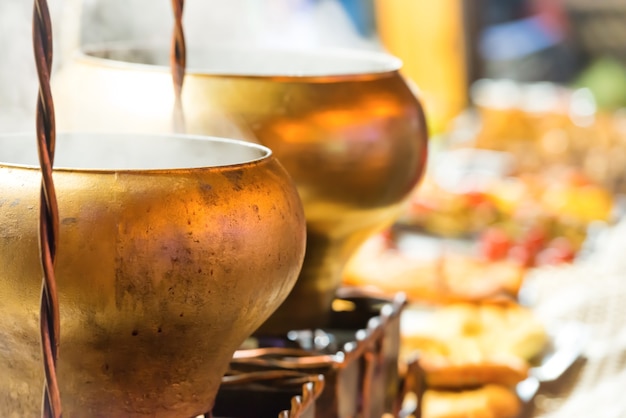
{"x": 356, "y": 358}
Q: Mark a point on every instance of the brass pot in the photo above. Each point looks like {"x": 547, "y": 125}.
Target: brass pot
{"x": 173, "y": 249}
{"x": 345, "y": 124}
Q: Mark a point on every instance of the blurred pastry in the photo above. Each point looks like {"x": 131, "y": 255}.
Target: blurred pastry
{"x": 468, "y": 345}
{"x": 489, "y": 401}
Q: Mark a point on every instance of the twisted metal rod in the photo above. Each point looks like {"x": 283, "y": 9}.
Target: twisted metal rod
{"x": 178, "y": 63}
{"x": 48, "y": 209}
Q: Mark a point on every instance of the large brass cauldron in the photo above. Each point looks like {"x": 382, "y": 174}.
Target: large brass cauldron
{"x": 172, "y": 251}
{"x": 344, "y": 123}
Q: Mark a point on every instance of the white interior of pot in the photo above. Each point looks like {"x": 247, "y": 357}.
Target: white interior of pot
{"x": 255, "y": 61}
{"x": 131, "y": 152}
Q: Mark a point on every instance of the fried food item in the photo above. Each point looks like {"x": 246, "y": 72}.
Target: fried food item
{"x": 447, "y": 372}
{"x": 446, "y": 279}
{"x": 467, "y": 345}
{"x": 489, "y": 401}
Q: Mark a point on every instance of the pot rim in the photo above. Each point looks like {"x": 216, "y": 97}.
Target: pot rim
{"x": 265, "y": 154}
{"x": 381, "y": 64}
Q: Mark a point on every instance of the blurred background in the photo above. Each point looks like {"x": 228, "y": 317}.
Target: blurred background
{"x": 445, "y": 45}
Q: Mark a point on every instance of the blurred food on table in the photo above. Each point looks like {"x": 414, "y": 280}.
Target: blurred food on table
{"x": 472, "y": 355}
{"x": 489, "y": 401}
{"x": 507, "y": 222}
{"x": 528, "y": 218}
{"x": 441, "y": 278}
{"x": 521, "y": 177}
{"x": 549, "y": 126}
{"x": 464, "y": 345}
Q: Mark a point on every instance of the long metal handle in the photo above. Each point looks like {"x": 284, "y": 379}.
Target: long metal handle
{"x": 178, "y": 63}
{"x": 48, "y": 209}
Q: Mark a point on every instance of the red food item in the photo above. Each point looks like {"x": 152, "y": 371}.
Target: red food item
{"x": 494, "y": 244}
{"x": 389, "y": 239}
{"x": 477, "y": 198}
{"x": 534, "y": 240}
{"x": 421, "y": 206}
{"x": 521, "y": 255}
{"x": 560, "y": 250}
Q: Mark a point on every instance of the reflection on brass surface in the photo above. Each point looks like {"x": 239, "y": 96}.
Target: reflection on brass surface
{"x": 345, "y": 125}
{"x": 162, "y": 273}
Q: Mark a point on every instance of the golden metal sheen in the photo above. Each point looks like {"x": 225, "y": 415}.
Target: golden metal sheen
{"x": 345, "y": 125}
{"x": 161, "y": 273}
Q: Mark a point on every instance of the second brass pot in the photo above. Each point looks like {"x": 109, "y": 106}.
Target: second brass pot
{"x": 345, "y": 125}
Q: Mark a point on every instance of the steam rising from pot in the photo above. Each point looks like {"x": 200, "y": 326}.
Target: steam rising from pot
{"x": 286, "y": 23}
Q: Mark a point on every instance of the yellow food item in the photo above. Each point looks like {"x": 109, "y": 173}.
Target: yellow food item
{"x": 489, "y": 401}
{"x": 467, "y": 371}
{"x": 467, "y": 345}
{"x": 583, "y": 204}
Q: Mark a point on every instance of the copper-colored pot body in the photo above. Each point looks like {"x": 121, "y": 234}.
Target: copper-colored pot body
{"x": 162, "y": 272}
{"x": 345, "y": 124}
